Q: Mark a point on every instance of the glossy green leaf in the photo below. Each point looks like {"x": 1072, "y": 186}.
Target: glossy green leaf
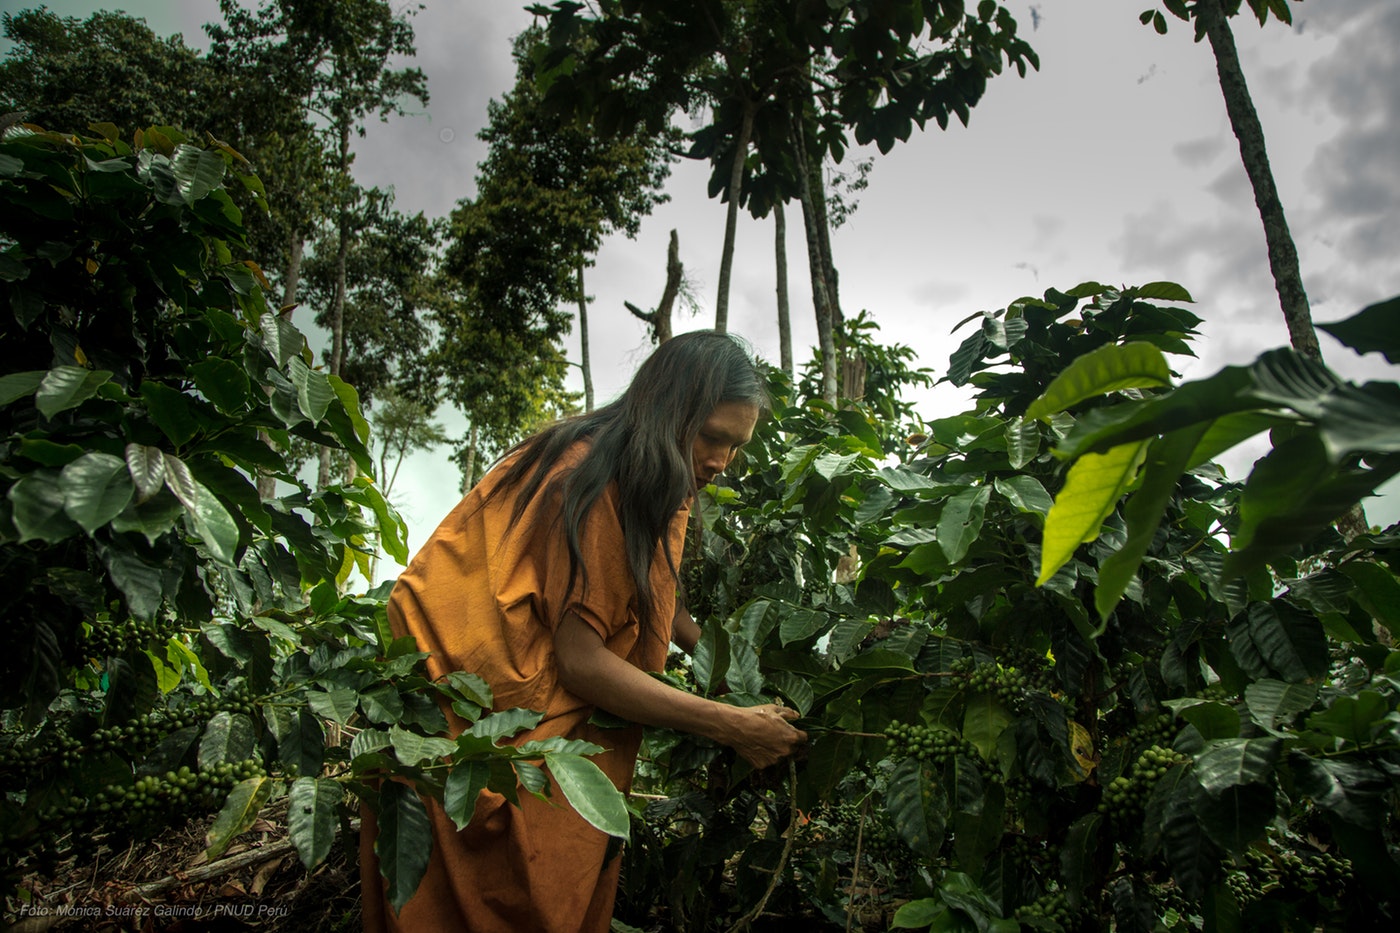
{"x": 238, "y": 814}
{"x": 96, "y": 488}
{"x": 591, "y": 793}
{"x": 1025, "y": 493}
{"x": 1273, "y": 704}
{"x": 1166, "y": 458}
{"x": 313, "y": 810}
{"x": 228, "y": 737}
{"x": 1162, "y": 291}
{"x": 314, "y": 393}
{"x": 961, "y": 521}
{"x": 710, "y": 660}
{"x": 505, "y": 723}
{"x": 917, "y": 805}
{"x": 984, "y": 720}
{"x": 1353, "y": 719}
{"x": 1022, "y": 442}
{"x": 212, "y": 522}
{"x": 1110, "y": 368}
{"x": 1377, "y": 590}
{"x": 1092, "y": 489}
{"x": 338, "y": 704}
{"x": 38, "y": 509}
{"x": 1291, "y": 642}
{"x": 172, "y": 411}
{"x": 147, "y": 468}
{"x": 405, "y": 840}
{"x": 303, "y": 746}
{"x": 222, "y": 382}
{"x": 197, "y": 171}
{"x": 462, "y": 791}
{"x": 412, "y": 748}
{"x": 15, "y": 386}
{"x": 1233, "y": 762}
{"x": 281, "y": 338}
{"x": 66, "y": 387}
{"x": 1352, "y": 791}
{"x": 921, "y": 914}
{"x": 1373, "y": 329}
{"x": 1237, "y": 816}
{"x": 1081, "y": 856}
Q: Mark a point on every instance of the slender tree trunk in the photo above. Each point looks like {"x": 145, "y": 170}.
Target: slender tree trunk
{"x": 1283, "y": 253}
{"x": 1244, "y": 120}
{"x": 784, "y": 308}
{"x": 731, "y": 221}
{"x": 816, "y": 267}
{"x": 584, "y": 361}
{"x": 469, "y": 464}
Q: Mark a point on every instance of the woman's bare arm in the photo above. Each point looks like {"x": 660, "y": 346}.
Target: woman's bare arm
{"x": 588, "y": 670}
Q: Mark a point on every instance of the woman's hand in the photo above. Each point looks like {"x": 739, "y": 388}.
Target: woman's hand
{"x": 764, "y": 735}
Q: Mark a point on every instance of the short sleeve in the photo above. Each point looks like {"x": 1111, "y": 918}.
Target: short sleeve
{"x": 603, "y": 593}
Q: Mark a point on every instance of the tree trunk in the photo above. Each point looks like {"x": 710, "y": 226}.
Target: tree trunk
{"x": 731, "y": 220}
{"x": 816, "y": 267}
{"x": 1283, "y": 253}
{"x": 469, "y": 462}
{"x": 660, "y": 320}
{"x": 584, "y": 362}
{"x": 1244, "y": 120}
{"x": 784, "y": 308}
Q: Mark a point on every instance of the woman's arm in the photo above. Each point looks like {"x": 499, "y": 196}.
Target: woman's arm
{"x": 588, "y": 670}
{"x": 685, "y": 633}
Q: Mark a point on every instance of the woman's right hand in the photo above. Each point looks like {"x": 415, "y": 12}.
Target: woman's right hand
{"x": 764, "y": 735}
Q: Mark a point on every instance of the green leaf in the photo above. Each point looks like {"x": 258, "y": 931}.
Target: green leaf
{"x": 1091, "y": 490}
{"x": 1110, "y": 368}
{"x": 314, "y": 393}
{"x": 984, "y": 720}
{"x": 14, "y": 386}
{"x": 591, "y": 793}
{"x": 1238, "y": 815}
{"x": 222, "y": 382}
{"x": 799, "y": 624}
{"x": 1291, "y": 642}
{"x": 172, "y": 412}
{"x": 312, "y": 814}
{"x": 228, "y": 737}
{"x": 1352, "y": 791}
{"x": 382, "y": 704}
{"x": 531, "y": 778}
{"x": 1022, "y": 442}
{"x": 505, "y": 723}
{"x": 197, "y": 171}
{"x": 918, "y": 915}
{"x": 1373, "y": 329}
{"x": 1166, "y": 459}
{"x": 239, "y": 812}
{"x": 405, "y": 840}
{"x": 1081, "y": 857}
{"x": 710, "y": 661}
{"x": 338, "y": 705}
{"x": 1377, "y": 590}
{"x": 1025, "y": 493}
{"x": 37, "y": 508}
{"x": 212, "y": 522}
{"x": 140, "y": 582}
{"x": 350, "y": 399}
{"x": 917, "y": 805}
{"x": 1161, "y": 291}
{"x": 147, "y": 468}
{"x": 304, "y": 744}
{"x": 462, "y": 790}
{"x": 66, "y": 387}
{"x": 744, "y": 675}
{"x": 412, "y": 748}
{"x": 961, "y": 521}
{"x": 281, "y": 338}
{"x": 96, "y": 488}
{"x": 1233, "y": 762}
{"x": 1352, "y": 719}
{"x": 1273, "y": 704}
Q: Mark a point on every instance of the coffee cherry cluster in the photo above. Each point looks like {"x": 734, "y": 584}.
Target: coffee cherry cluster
{"x": 107, "y": 637}
{"x": 915, "y": 740}
{"x": 1008, "y": 683}
{"x": 1125, "y": 795}
{"x": 1288, "y": 872}
{"x": 1155, "y": 730}
{"x": 164, "y": 796}
{"x": 1047, "y": 910}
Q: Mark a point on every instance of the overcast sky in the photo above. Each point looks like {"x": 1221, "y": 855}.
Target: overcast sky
{"x": 1115, "y": 162}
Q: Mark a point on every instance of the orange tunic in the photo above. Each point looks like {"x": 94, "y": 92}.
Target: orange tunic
{"x": 484, "y": 595}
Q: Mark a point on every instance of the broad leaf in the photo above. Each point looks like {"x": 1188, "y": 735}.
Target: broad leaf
{"x": 229, "y": 737}
{"x": 312, "y": 813}
{"x": 1110, "y": 368}
{"x": 405, "y": 840}
{"x": 66, "y": 387}
{"x": 96, "y": 488}
{"x": 239, "y": 812}
{"x": 1373, "y": 329}
{"x": 1092, "y": 489}
{"x": 917, "y": 805}
{"x": 591, "y": 793}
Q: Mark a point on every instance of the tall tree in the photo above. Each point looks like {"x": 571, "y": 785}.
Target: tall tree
{"x": 1212, "y": 22}
{"x": 1211, "y": 19}
{"x": 774, "y": 73}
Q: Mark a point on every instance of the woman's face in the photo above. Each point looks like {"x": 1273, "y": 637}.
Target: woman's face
{"x": 729, "y": 427}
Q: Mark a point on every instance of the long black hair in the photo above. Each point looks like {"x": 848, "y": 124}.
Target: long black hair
{"x": 643, "y": 441}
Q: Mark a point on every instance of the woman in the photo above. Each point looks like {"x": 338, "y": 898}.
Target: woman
{"x": 555, "y": 580}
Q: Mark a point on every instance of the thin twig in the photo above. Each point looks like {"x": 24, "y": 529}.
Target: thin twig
{"x": 855, "y": 869}
{"x": 747, "y": 919}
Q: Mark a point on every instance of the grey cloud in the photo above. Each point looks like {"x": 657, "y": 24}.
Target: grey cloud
{"x": 1197, "y": 153}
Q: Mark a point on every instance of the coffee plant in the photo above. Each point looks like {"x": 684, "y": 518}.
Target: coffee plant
{"x": 178, "y": 645}
{"x": 1086, "y": 680}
